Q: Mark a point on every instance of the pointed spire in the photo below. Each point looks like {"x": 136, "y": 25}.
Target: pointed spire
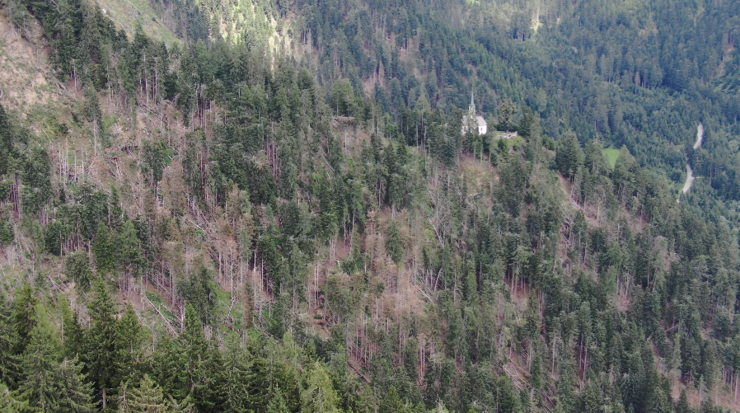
{"x": 472, "y": 101}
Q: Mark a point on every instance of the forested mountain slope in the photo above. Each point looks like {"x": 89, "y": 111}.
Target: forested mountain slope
{"x": 269, "y": 207}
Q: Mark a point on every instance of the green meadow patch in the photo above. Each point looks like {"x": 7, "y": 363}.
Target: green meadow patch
{"x": 611, "y": 155}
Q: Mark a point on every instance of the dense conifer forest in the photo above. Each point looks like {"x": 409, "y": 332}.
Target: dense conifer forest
{"x": 268, "y": 206}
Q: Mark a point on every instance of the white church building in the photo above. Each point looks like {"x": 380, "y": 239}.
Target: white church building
{"x": 472, "y": 122}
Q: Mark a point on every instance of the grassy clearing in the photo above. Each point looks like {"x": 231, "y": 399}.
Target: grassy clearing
{"x": 126, "y": 13}
{"x": 157, "y": 301}
{"x": 515, "y": 142}
{"x": 611, "y": 155}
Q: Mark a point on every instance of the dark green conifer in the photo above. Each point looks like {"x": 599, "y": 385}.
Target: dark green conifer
{"x": 102, "y": 248}
{"x": 24, "y": 317}
{"x": 100, "y": 355}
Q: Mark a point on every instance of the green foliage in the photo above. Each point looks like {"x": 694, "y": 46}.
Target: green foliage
{"x": 279, "y": 176}
{"x": 507, "y": 116}
{"x": 8, "y": 339}
{"x": 7, "y": 148}
{"x": 75, "y": 391}
{"x": 36, "y": 190}
{"x": 7, "y": 234}
{"x": 94, "y": 114}
{"x": 342, "y": 98}
{"x": 318, "y": 395}
{"x": 147, "y": 397}
{"x": 77, "y": 268}
{"x": 100, "y": 355}
{"x": 612, "y": 155}
{"x": 40, "y": 387}
{"x": 130, "y": 347}
{"x": 51, "y": 385}
{"x": 56, "y": 235}
{"x": 9, "y": 402}
{"x": 569, "y": 156}
{"x": 393, "y": 243}
{"x": 198, "y": 291}
{"x": 102, "y": 248}
{"x": 24, "y": 317}
{"x": 155, "y": 156}
{"x": 129, "y": 257}
{"x": 72, "y": 332}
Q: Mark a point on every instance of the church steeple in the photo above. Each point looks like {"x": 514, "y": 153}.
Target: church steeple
{"x": 472, "y": 123}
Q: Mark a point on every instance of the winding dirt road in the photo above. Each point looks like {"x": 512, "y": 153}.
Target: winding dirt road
{"x": 689, "y": 171}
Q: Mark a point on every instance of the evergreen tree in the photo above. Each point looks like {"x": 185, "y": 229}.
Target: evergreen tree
{"x": 130, "y": 347}
{"x": 393, "y": 243}
{"x": 55, "y": 236}
{"x": 100, "y": 355}
{"x": 569, "y": 155}
{"x": 237, "y": 379}
{"x": 198, "y": 292}
{"x": 154, "y": 160}
{"x": 683, "y": 405}
{"x": 8, "y": 340}
{"x": 72, "y": 333}
{"x": 319, "y": 395}
{"x": 277, "y": 403}
{"x": 94, "y": 114}
{"x": 117, "y": 215}
{"x": 201, "y": 370}
{"x": 391, "y": 402}
{"x": 168, "y": 368}
{"x": 37, "y": 190}
{"x": 128, "y": 250}
{"x": 75, "y": 392}
{"x": 102, "y": 248}
{"x": 506, "y": 113}
{"x": 184, "y": 406}
{"x": 24, "y": 317}
{"x": 146, "y": 398}
{"x": 41, "y": 385}
{"x": 77, "y": 268}
{"x": 9, "y": 403}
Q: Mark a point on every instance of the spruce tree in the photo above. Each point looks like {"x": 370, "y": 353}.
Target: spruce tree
{"x": 102, "y": 248}
{"x": 77, "y": 269}
{"x": 9, "y": 402}
{"x": 146, "y": 398}
{"x": 237, "y": 377}
{"x": 394, "y": 244}
{"x": 40, "y": 384}
{"x": 8, "y": 340}
{"x": 129, "y": 347}
{"x": 76, "y": 392}
{"x": 36, "y": 190}
{"x": 318, "y": 394}
{"x": 183, "y": 406}
{"x": 168, "y": 368}
{"x": 683, "y": 405}
{"x": 72, "y": 333}
{"x": 391, "y": 402}
{"x": 116, "y": 218}
{"x": 506, "y": 113}
{"x": 277, "y": 402}
{"x": 129, "y": 256}
{"x": 100, "y": 343}
{"x": 200, "y": 372}
{"x": 24, "y": 317}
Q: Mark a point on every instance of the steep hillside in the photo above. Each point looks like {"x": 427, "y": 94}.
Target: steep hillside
{"x": 290, "y": 219}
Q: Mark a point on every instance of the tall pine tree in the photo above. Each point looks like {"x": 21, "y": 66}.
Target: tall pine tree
{"x": 100, "y": 355}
